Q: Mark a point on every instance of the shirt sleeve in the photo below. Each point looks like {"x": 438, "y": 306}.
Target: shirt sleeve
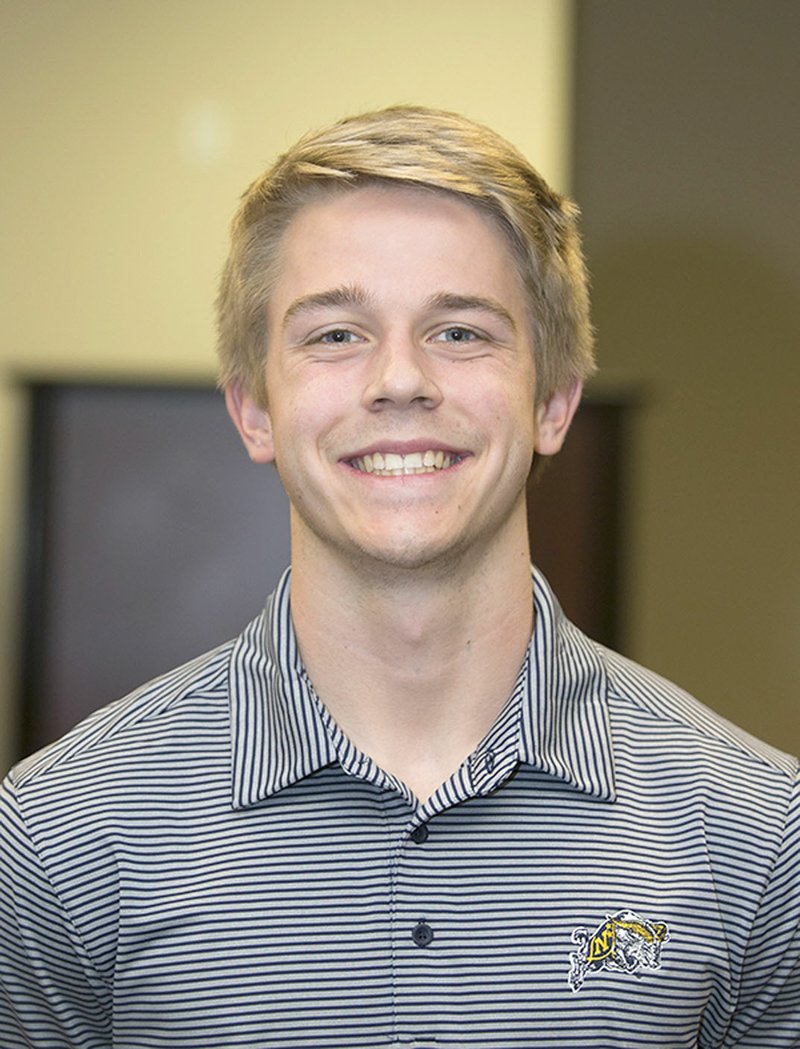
{"x": 50, "y": 994}
{"x": 768, "y": 1014}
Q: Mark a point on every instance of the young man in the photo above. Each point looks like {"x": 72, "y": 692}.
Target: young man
{"x": 411, "y": 805}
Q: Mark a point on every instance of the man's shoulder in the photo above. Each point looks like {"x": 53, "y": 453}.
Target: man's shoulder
{"x": 652, "y": 706}
{"x": 142, "y": 722}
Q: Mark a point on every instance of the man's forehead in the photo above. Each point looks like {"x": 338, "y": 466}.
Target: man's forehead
{"x": 338, "y": 246}
{"x": 339, "y": 206}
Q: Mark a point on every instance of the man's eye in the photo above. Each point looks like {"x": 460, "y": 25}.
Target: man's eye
{"x": 456, "y": 335}
{"x": 337, "y": 336}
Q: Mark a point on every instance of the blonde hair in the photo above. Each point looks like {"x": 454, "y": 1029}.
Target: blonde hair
{"x": 432, "y": 149}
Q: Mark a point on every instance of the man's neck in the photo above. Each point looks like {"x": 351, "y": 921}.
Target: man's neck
{"x": 415, "y": 670}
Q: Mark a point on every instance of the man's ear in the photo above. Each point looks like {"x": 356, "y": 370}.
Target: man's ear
{"x": 252, "y": 422}
{"x": 553, "y": 418}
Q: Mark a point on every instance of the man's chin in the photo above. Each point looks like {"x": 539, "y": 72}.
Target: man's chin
{"x": 398, "y": 559}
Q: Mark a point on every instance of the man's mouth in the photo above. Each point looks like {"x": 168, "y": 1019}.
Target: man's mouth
{"x": 391, "y": 464}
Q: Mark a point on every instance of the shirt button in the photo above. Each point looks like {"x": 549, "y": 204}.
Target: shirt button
{"x": 419, "y": 835}
{"x": 422, "y": 934}
{"x": 489, "y": 760}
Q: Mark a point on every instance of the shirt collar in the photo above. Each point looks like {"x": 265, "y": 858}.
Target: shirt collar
{"x": 565, "y": 728}
{"x": 279, "y": 734}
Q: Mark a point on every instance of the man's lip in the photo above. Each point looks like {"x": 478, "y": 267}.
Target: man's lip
{"x": 406, "y": 448}
{"x": 427, "y": 463}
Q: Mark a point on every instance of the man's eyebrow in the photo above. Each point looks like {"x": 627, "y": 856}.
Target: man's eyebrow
{"x": 446, "y": 300}
{"x": 355, "y": 295}
{"x": 346, "y": 295}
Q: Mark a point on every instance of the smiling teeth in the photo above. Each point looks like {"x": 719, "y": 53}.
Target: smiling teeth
{"x": 390, "y": 464}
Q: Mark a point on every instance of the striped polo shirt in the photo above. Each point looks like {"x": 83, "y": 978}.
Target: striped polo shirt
{"x": 211, "y": 863}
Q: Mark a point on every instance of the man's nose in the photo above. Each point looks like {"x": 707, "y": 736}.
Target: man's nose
{"x": 400, "y": 375}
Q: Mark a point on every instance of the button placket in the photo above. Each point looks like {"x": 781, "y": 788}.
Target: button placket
{"x": 416, "y": 930}
{"x": 422, "y": 933}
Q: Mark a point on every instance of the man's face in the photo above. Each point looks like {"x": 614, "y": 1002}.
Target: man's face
{"x": 401, "y": 381}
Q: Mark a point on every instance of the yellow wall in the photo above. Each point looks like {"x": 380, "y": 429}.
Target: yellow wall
{"x": 132, "y": 127}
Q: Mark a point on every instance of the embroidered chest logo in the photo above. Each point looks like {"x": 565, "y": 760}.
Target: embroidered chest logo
{"x": 623, "y": 943}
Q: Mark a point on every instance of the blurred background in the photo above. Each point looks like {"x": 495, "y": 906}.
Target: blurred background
{"x": 132, "y": 127}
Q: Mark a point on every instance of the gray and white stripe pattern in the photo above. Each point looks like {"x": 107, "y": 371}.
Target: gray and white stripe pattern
{"x": 211, "y": 863}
